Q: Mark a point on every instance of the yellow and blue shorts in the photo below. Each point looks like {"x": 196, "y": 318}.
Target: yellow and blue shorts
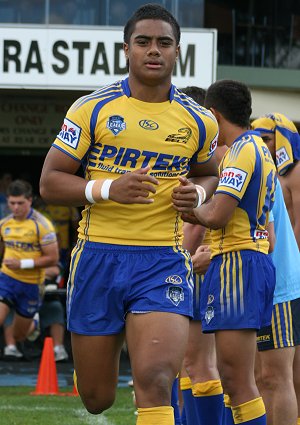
{"x": 108, "y": 281}
{"x": 23, "y": 297}
{"x": 237, "y": 292}
{"x": 284, "y": 330}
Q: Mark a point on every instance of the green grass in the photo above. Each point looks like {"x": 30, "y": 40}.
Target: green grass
{"x": 18, "y": 407}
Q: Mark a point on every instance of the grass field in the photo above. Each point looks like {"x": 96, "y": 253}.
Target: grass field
{"x": 18, "y": 407}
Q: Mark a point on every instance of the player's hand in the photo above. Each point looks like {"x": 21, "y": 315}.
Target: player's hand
{"x": 134, "y": 188}
{"x": 190, "y": 218}
{"x": 184, "y": 196}
{"x": 201, "y": 259}
{"x": 12, "y": 263}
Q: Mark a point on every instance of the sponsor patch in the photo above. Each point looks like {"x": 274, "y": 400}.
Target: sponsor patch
{"x": 281, "y": 156}
{"x": 116, "y": 124}
{"x": 213, "y": 146}
{"x": 175, "y": 279}
{"x": 69, "y": 133}
{"x": 175, "y": 294}
{"x": 148, "y": 125}
{"x": 261, "y": 234}
{"x": 233, "y": 177}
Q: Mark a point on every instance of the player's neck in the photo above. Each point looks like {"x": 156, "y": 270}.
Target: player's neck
{"x": 233, "y": 133}
{"x": 149, "y": 93}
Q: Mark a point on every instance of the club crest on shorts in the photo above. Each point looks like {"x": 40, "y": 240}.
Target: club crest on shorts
{"x": 116, "y": 124}
{"x": 209, "y": 314}
{"x": 175, "y": 294}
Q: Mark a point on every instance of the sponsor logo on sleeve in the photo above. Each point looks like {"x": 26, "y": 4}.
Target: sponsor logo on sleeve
{"x": 69, "y": 133}
{"x": 261, "y": 234}
{"x": 233, "y": 178}
{"x": 281, "y": 156}
{"x": 213, "y": 146}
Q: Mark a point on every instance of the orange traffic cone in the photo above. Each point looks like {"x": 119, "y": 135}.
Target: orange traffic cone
{"x": 47, "y": 383}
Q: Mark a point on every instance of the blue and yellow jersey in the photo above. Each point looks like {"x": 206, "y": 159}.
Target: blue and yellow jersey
{"x": 111, "y": 133}
{"x": 248, "y": 173}
{"x": 24, "y": 239}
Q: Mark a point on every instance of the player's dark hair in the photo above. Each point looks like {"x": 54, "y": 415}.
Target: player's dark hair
{"x": 196, "y": 93}
{"x": 19, "y": 188}
{"x": 151, "y": 11}
{"x": 232, "y": 99}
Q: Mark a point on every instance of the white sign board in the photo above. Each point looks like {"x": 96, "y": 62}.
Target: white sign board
{"x": 80, "y": 58}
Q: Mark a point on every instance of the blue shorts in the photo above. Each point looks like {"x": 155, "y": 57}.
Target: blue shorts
{"x": 23, "y": 297}
{"x": 284, "y": 330}
{"x": 108, "y": 281}
{"x": 237, "y": 292}
{"x": 198, "y": 281}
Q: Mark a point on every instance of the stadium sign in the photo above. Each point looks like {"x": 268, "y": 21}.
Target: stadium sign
{"x": 81, "y": 58}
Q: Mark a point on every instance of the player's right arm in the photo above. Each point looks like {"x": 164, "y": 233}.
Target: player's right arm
{"x": 59, "y": 183}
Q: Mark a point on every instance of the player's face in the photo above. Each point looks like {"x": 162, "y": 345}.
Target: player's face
{"x": 152, "y": 52}
{"x": 19, "y": 206}
{"x": 269, "y": 139}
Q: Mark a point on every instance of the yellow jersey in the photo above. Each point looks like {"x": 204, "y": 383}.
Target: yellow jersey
{"x": 24, "y": 239}
{"x": 247, "y": 173}
{"x": 111, "y": 133}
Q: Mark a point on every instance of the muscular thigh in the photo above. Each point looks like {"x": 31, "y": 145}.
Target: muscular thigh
{"x": 156, "y": 343}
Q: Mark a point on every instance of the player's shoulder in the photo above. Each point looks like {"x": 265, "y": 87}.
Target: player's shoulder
{"x": 103, "y": 94}
{"x": 192, "y": 106}
{"x": 41, "y": 220}
{"x": 5, "y": 220}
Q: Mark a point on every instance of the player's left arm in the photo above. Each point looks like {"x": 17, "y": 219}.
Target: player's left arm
{"x": 48, "y": 258}
{"x": 217, "y": 212}
{"x": 185, "y": 196}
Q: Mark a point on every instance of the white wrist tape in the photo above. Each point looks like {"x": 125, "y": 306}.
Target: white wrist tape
{"x": 27, "y": 263}
{"x": 88, "y": 192}
{"x": 201, "y": 195}
{"x": 105, "y": 189}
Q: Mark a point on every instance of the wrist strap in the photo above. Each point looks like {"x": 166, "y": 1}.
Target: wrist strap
{"x": 27, "y": 263}
{"x": 201, "y": 195}
{"x": 105, "y": 189}
{"x": 88, "y": 192}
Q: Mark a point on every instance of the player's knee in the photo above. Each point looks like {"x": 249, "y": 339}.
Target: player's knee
{"x": 156, "y": 383}
{"x": 19, "y": 335}
{"x": 97, "y": 404}
{"x": 270, "y": 380}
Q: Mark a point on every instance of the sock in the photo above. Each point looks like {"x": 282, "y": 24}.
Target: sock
{"x": 209, "y": 400}
{"x": 162, "y": 415}
{"x": 298, "y": 421}
{"x": 252, "y": 412}
{"x": 175, "y": 402}
{"x": 227, "y": 412}
{"x": 188, "y": 400}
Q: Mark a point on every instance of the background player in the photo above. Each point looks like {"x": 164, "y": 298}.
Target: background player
{"x": 241, "y": 270}
{"x": 29, "y": 243}
{"x": 134, "y": 138}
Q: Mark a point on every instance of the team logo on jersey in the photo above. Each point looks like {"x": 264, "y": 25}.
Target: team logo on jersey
{"x": 175, "y": 294}
{"x": 281, "y": 156}
{"x": 148, "y": 125}
{"x": 209, "y": 314}
{"x": 182, "y": 136}
{"x": 69, "y": 133}
{"x": 116, "y": 124}
{"x": 175, "y": 279}
{"x": 7, "y": 231}
{"x": 233, "y": 177}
